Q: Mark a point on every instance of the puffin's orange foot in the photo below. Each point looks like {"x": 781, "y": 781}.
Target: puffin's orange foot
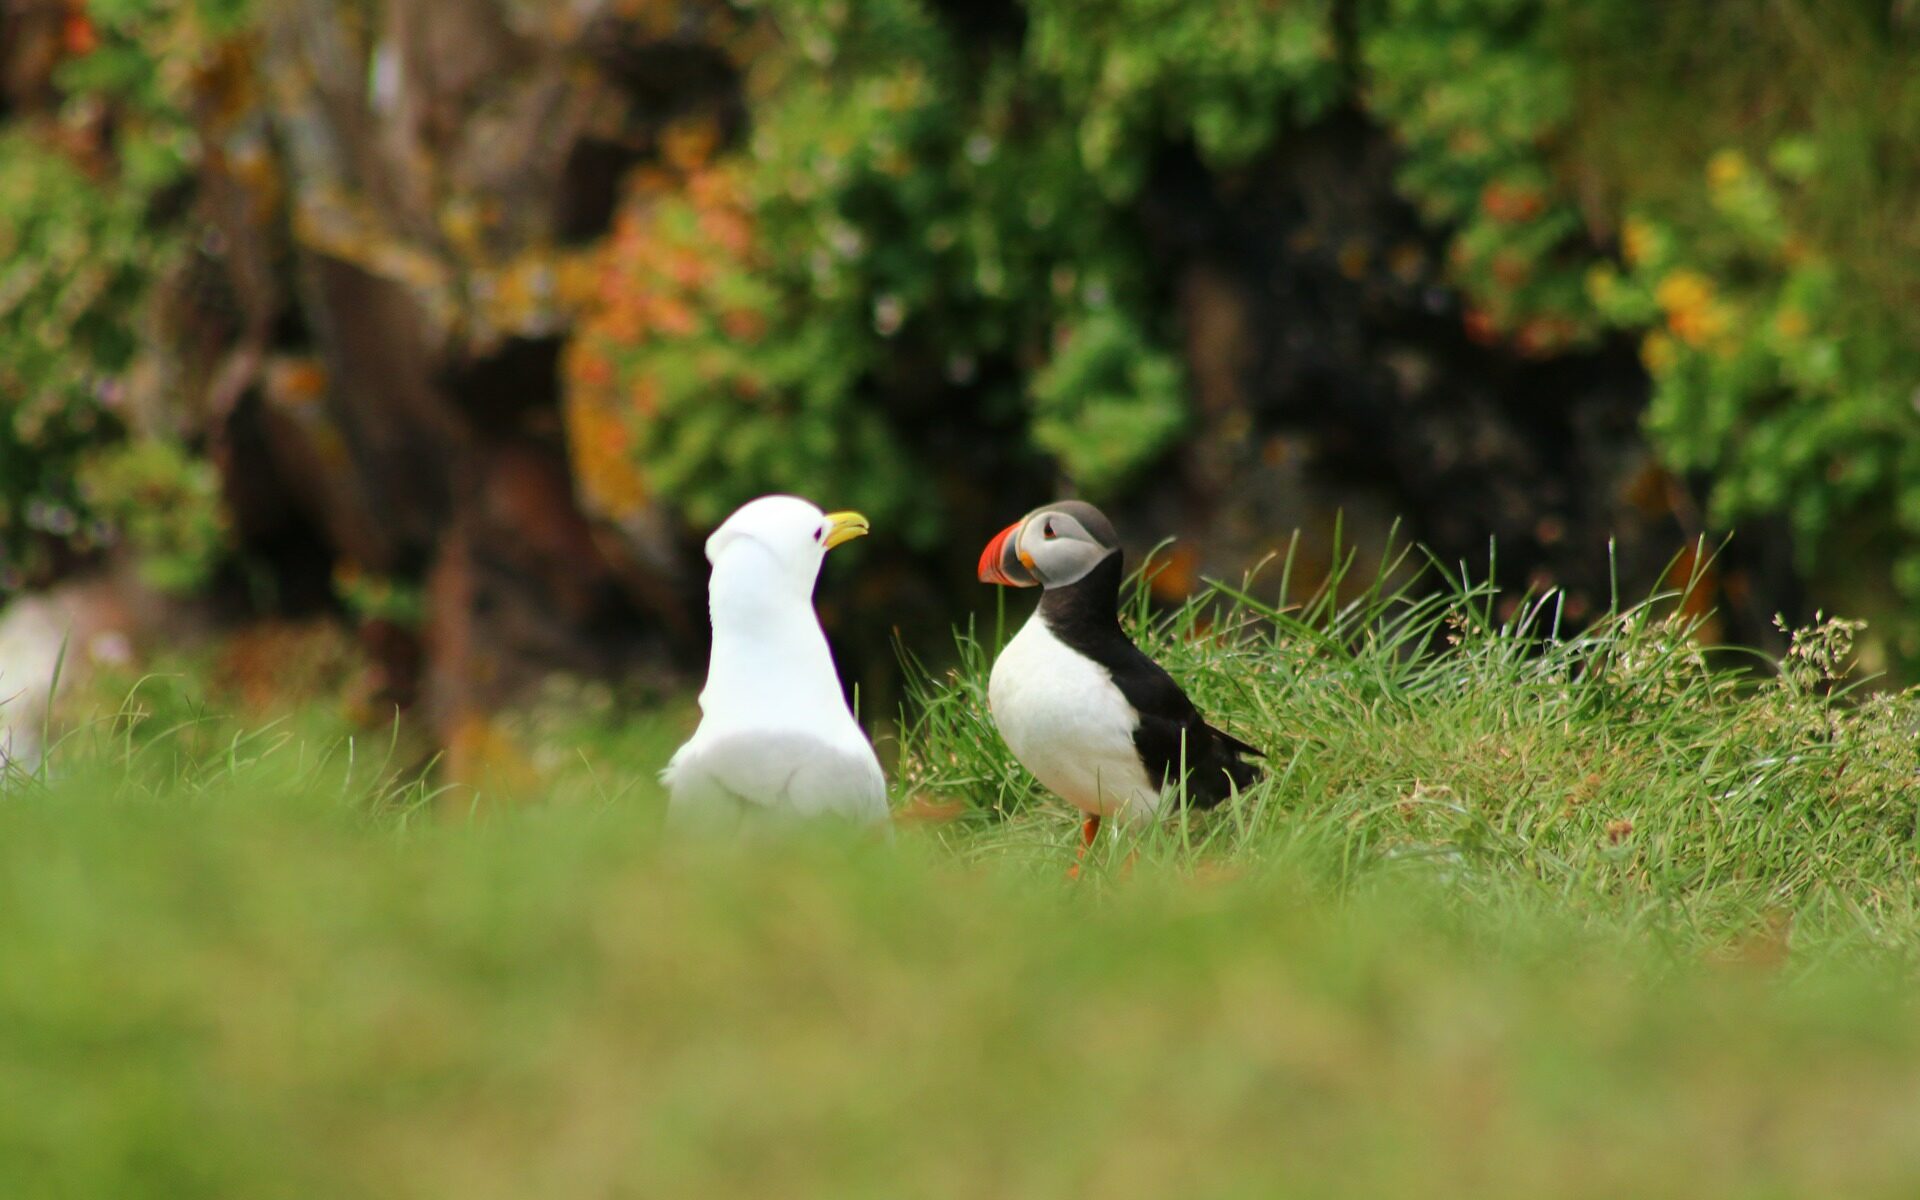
{"x": 1089, "y": 830}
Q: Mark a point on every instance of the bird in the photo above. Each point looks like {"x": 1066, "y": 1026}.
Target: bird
{"x": 776, "y": 739}
{"x": 1095, "y": 719}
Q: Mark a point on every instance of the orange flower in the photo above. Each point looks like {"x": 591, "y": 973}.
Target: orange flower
{"x": 1511, "y": 269}
{"x": 620, "y": 321}
{"x": 688, "y": 270}
{"x": 602, "y": 452}
{"x": 1683, "y": 290}
{"x": 1700, "y": 326}
{"x": 1543, "y": 336}
{"x": 1693, "y": 313}
{"x": 1175, "y": 579}
{"x": 592, "y": 369}
{"x": 77, "y": 35}
{"x": 1513, "y": 205}
{"x": 674, "y": 317}
{"x": 744, "y": 325}
{"x": 649, "y": 180}
{"x": 727, "y": 229}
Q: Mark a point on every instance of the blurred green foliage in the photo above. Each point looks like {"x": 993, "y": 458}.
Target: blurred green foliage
{"x": 926, "y": 213}
{"x": 90, "y": 229}
{"x": 1722, "y": 182}
{"x": 910, "y": 206}
{"x": 1769, "y": 246}
{"x": 1131, "y": 75}
{"x": 1475, "y": 93}
{"x": 166, "y": 501}
{"x": 896, "y": 205}
{"x": 77, "y": 257}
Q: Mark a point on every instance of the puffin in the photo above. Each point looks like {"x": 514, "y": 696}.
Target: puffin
{"x": 1095, "y": 719}
{"x": 776, "y": 740}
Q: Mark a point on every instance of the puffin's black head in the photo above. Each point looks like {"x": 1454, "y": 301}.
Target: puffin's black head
{"x": 1050, "y": 547}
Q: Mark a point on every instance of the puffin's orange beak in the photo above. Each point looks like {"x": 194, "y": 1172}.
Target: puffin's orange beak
{"x": 1001, "y": 563}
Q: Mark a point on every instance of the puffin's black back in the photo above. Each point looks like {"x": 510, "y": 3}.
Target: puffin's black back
{"x": 1086, "y": 617}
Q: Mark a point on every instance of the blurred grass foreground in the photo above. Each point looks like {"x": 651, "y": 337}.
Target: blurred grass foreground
{"x": 1517, "y": 913}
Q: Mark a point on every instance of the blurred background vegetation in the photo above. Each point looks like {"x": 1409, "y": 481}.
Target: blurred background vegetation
{"x": 453, "y": 324}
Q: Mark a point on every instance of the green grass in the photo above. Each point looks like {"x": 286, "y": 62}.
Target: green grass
{"x": 1621, "y": 772}
{"x": 1423, "y": 958}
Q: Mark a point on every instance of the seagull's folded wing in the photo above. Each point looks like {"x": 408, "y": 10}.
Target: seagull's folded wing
{"x": 778, "y": 773}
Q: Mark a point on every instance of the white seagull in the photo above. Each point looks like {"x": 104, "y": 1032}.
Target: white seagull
{"x": 776, "y": 738}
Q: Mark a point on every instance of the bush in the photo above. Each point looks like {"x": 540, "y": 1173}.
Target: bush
{"x": 905, "y": 223}
{"x": 79, "y": 261}
{"x": 930, "y": 216}
{"x": 966, "y": 204}
{"x": 87, "y": 238}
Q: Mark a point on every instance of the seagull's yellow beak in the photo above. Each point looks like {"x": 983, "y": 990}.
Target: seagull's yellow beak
{"x": 843, "y": 527}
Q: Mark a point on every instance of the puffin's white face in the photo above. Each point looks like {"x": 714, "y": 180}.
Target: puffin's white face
{"x": 1052, "y": 546}
{"x": 791, "y": 533}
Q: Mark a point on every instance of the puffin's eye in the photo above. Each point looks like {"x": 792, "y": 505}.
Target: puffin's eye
{"x": 1047, "y": 529}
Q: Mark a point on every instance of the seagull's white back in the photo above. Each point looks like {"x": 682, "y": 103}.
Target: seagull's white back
{"x": 771, "y": 668}
{"x": 775, "y": 735}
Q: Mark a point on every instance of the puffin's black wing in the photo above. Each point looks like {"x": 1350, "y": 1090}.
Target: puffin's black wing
{"x": 1170, "y": 727}
{"x": 1086, "y": 617}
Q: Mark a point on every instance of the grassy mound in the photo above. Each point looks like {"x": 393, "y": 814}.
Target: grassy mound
{"x": 1514, "y": 914}
{"x": 1622, "y": 771}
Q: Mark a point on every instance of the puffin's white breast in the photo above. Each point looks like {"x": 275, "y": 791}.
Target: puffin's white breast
{"x": 1064, "y": 719}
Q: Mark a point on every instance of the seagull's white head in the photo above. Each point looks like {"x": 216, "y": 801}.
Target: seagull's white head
{"x": 778, "y": 542}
